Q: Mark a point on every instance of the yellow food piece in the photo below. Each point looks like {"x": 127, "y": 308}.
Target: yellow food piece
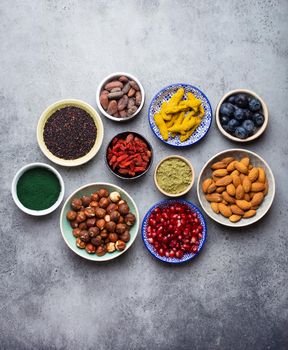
{"x": 161, "y": 126}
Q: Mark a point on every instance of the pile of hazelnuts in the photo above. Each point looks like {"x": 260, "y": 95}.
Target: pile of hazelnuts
{"x": 101, "y": 222}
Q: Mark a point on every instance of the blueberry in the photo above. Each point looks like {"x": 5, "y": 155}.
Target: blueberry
{"x": 254, "y": 105}
{"x": 241, "y": 132}
{"x": 232, "y": 125}
{"x": 248, "y": 114}
{"x": 249, "y": 126}
{"x": 224, "y": 119}
{"x": 258, "y": 119}
{"x": 231, "y": 99}
{"x": 227, "y": 109}
{"x": 241, "y": 100}
{"x": 239, "y": 114}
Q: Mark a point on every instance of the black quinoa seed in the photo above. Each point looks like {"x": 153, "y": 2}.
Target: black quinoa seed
{"x": 70, "y": 133}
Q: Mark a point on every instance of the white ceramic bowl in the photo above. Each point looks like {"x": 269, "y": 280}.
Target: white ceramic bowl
{"x": 107, "y": 80}
{"x": 52, "y": 109}
{"x": 257, "y": 161}
{"x": 260, "y": 130}
{"x": 14, "y": 189}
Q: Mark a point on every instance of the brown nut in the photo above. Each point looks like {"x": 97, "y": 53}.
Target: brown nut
{"x": 107, "y": 218}
{"x": 90, "y": 248}
{"x": 89, "y": 212}
{"x": 104, "y": 234}
{"x": 113, "y": 237}
{"x": 86, "y": 200}
{"x": 71, "y": 215}
{"x": 103, "y": 193}
{"x": 110, "y": 247}
{"x": 80, "y": 244}
{"x": 95, "y": 197}
{"x": 120, "y": 228}
{"x": 125, "y": 237}
{"x": 130, "y": 219}
{"x": 90, "y": 222}
{"x": 76, "y": 232}
{"x": 120, "y": 245}
{"x": 93, "y": 231}
{"x": 96, "y": 240}
{"x": 111, "y": 207}
{"x": 84, "y": 235}
{"x": 104, "y": 202}
{"x": 94, "y": 204}
{"x": 110, "y": 226}
{"x": 121, "y": 220}
{"x": 76, "y": 203}
{"x": 100, "y": 251}
{"x": 123, "y": 209}
{"x": 83, "y": 225}
{"x": 100, "y": 213}
{"x": 74, "y": 224}
{"x": 100, "y": 224}
{"x": 115, "y": 215}
{"x": 81, "y": 216}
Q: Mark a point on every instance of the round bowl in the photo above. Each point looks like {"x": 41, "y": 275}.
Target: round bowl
{"x": 123, "y": 135}
{"x": 165, "y": 95}
{"x": 14, "y": 189}
{"x": 187, "y": 189}
{"x": 257, "y": 161}
{"x": 52, "y": 109}
{"x": 150, "y": 248}
{"x": 260, "y": 130}
{"x": 107, "y": 80}
{"x": 66, "y": 230}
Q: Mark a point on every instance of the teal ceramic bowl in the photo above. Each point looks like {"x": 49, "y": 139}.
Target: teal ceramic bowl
{"x": 66, "y": 229}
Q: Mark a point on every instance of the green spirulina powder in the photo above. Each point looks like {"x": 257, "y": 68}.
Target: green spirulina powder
{"x": 38, "y": 188}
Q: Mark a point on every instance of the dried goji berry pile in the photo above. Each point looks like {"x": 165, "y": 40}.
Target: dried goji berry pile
{"x": 129, "y": 156}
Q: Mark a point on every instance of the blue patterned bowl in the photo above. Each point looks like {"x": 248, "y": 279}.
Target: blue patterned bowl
{"x": 167, "y": 203}
{"x": 164, "y": 95}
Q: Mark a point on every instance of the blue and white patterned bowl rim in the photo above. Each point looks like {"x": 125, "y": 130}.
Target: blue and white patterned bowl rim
{"x": 168, "y": 202}
{"x": 165, "y": 94}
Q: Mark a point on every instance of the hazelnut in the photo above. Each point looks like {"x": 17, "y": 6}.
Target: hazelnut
{"x": 90, "y": 222}
{"x": 94, "y": 204}
{"x": 95, "y": 197}
{"x": 125, "y": 237}
{"x": 100, "y": 224}
{"x": 89, "y": 212}
{"x": 111, "y": 207}
{"x": 74, "y": 224}
{"x": 110, "y": 247}
{"x": 81, "y": 216}
{"x": 121, "y": 220}
{"x": 71, "y": 215}
{"x": 96, "y": 240}
{"x": 103, "y": 193}
{"x": 90, "y": 248}
{"x": 100, "y": 213}
{"x": 130, "y": 219}
{"x": 104, "y": 202}
{"x": 123, "y": 209}
{"x": 115, "y": 196}
{"x": 107, "y": 218}
{"x": 84, "y": 235}
{"x": 120, "y": 245}
{"x": 104, "y": 234}
{"x": 110, "y": 226}
{"x": 76, "y": 203}
{"x": 80, "y": 244}
{"x": 83, "y": 226}
{"x": 120, "y": 228}
{"x": 115, "y": 215}
{"x": 121, "y": 202}
{"x": 93, "y": 232}
{"x": 100, "y": 251}
{"x": 76, "y": 232}
{"x": 86, "y": 200}
{"x": 113, "y": 237}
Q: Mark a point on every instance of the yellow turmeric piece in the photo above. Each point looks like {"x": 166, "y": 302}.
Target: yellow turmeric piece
{"x": 161, "y": 126}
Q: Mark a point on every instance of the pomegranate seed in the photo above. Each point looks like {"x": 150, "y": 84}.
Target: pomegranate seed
{"x": 150, "y": 240}
{"x": 179, "y": 254}
{"x": 171, "y": 254}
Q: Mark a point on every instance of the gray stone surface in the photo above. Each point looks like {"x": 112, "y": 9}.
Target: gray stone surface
{"x": 234, "y": 295}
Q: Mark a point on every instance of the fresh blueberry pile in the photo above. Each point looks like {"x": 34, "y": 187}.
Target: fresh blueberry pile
{"x": 241, "y": 115}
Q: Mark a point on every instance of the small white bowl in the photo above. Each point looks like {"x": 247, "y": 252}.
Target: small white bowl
{"x": 109, "y": 78}
{"x": 14, "y": 189}
{"x": 262, "y": 128}
{"x": 192, "y": 174}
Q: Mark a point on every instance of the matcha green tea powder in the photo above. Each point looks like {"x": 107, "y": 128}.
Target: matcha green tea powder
{"x": 38, "y": 188}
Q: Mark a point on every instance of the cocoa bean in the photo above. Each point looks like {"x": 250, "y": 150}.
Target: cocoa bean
{"x": 138, "y": 98}
{"x": 131, "y": 103}
{"x": 134, "y": 85}
{"x": 104, "y": 92}
{"x": 115, "y": 95}
{"x": 112, "y": 107}
{"x": 126, "y": 88}
{"x": 122, "y": 103}
{"x": 116, "y": 89}
{"x": 131, "y": 92}
{"x": 104, "y": 101}
{"x": 117, "y": 115}
{"x": 123, "y": 113}
{"x": 123, "y": 79}
{"x": 113, "y": 84}
{"x": 132, "y": 110}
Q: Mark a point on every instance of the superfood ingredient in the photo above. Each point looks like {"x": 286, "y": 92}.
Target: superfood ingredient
{"x": 129, "y": 155}
{"x": 242, "y": 190}
{"x": 174, "y": 175}
{"x": 174, "y": 230}
{"x": 38, "y": 189}
{"x": 179, "y": 116}
{"x": 70, "y": 133}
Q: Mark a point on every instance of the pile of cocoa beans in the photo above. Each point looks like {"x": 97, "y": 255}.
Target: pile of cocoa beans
{"x": 121, "y": 97}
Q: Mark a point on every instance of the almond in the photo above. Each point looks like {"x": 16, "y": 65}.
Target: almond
{"x": 231, "y": 190}
{"x": 231, "y": 166}
{"x": 228, "y": 198}
{"x": 249, "y": 213}
{"x": 245, "y": 161}
{"x": 224, "y": 202}
{"x": 236, "y": 181}
{"x": 239, "y": 192}
{"x": 247, "y": 197}
{"x": 235, "y": 218}
{"x": 227, "y": 160}
{"x": 241, "y": 167}
{"x": 242, "y": 178}
{"x": 218, "y": 165}
{"x": 236, "y": 210}
{"x": 220, "y": 189}
{"x": 258, "y": 186}
{"x": 257, "y": 199}
{"x": 244, "y": 205}
{"x": 220, "y": 172}
{"x": 224, "y": 210}
{"x": 250, "y": 166}
{"x": 205, "y": 184}
{"x": 224, "y": 181}
{"x": 214, "y": 197}
{"x": 211, "y": 188}
{"x": 235, "y": 173}
{"x": 214, "y": 207}
{"x": 246, "y": 184}
{"x": 261, "y": 175}
{"x": 253, "y": 174}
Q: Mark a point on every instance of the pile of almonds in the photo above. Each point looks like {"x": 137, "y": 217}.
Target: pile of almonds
{"x": 236, "y": 188}
{"x": 121, "y": 97}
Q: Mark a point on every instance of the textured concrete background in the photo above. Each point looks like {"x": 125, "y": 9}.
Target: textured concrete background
{"x": 234, "y": 295}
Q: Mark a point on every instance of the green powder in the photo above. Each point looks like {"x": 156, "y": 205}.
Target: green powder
{"x": 38, "y": 189}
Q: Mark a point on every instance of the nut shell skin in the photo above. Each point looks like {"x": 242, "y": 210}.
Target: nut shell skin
{"x": 100, "y": 251}
{"x": 90, "y": 248}
{"x": 110, "y": 247}
{"x": 80, "y": 244}
{"x": 120, "y": 245}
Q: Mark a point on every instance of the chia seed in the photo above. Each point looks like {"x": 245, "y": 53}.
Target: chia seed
{"x": 70, "y": 133}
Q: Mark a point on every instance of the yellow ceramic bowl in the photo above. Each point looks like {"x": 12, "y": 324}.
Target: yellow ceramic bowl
{"x": 61, "y": 104}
